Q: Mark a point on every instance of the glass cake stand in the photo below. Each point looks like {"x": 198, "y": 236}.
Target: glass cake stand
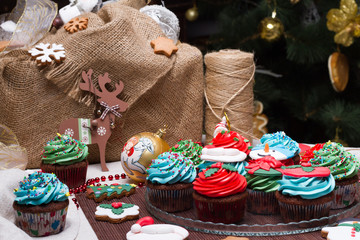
{"x": 256, "y": 225}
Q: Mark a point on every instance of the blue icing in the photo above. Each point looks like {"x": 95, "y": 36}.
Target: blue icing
{"x": 240, "y": 166}
{"x": 307, "y": 188}
{"x": 280, "y": 142}
{"x": 41, "y": 188}
{"x": 170, "y": 168}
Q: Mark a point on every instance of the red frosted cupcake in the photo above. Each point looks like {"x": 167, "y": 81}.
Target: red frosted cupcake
{"x": 66, "y": 157}
{"x": 220, "y": 194}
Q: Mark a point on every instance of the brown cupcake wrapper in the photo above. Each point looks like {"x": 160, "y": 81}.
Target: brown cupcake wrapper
{"x": 73, "y": 177}
{"x": 345, "y": 195}
{"x": 262, "y": 202}
{"x": 171, "y": 200}
{"x": 41, "y": 224}
{"x": 221, "y": 212}
{"x": 297, "y": 213}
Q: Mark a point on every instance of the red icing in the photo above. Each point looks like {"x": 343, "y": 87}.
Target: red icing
{"x": 264, "y": 163}
{"x": 309, "y": 154}
{"x": 299, "y": 172}
{"x": 116, "y": 204}
{"x": 221, "y": 184}
{"x": 228, "y": 140}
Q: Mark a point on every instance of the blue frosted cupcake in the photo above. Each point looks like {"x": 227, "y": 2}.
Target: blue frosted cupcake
{"x": 169, "y": 182}
{"x": 41, "y": 204}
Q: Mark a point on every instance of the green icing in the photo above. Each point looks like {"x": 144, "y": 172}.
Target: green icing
{"x": 262, "y": 172}
{"x": 229, "y": 167}
{"x": 108, "y": 190}
{"x": 190, "y": 150}
{"x": 263, "y": 183}
{"x": 64, "y": 150}
{"x": 341, "y": 163}
{"x": 211, "y": 171}
{"x": 119, "y": 210}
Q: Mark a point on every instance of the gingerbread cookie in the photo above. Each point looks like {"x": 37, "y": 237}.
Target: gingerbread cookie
{"x": 76, "y": 24}
{"x": 99, "y": 193}
{"x": 348, "y": 230}
{"x": 116, "y": 212}
{"x": 235, "y": 238}
{"x": 164, "y": 46}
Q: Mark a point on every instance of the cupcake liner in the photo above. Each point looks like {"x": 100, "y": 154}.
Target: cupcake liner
{"x": 73, "y": 177}
{"x": 171, "y": 200}
{"x": 41, "y": 224}
{"x": 297, "y": 213}
{"x": 262, "y": 202}
{"x": 223, "y": 212}
{"x": 344, "y": 195}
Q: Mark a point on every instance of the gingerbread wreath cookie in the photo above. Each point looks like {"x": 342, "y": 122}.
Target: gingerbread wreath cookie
{"x": 99, "y": 193}
{"x": 116, "y": 212}
{"x": 348, "y": 230}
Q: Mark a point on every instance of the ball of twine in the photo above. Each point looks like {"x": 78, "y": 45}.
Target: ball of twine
{"x": 229, "y": 88}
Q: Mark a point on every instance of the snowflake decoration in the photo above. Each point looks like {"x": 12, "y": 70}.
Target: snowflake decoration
{"x": 101, "y": 131}
{"x": 85, "y": 139}
{"x": 69, "y": 132}
{"x": 76, "y": 24}
{"x": 45, "y": 53}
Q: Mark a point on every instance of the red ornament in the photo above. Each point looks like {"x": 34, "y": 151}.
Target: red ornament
{"x": 99, "y": 184}
{"x": 140, "y": 184}
{"x": 97, "y": 179}
{"x": 123, "y": 175}
{"x": 103, "y": 178}
{"x": 117, "y": 176}
{"x": 71, "y": 191}
{"x": 110, "y": 177}
{"x": 74, "y": 200}
{"x": 77, "y": 205}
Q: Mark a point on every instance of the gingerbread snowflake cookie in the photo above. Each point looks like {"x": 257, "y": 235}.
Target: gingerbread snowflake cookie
{"x": 45, "y": 53}
{"x": 116, "y": 212}
{"x": 76, "y": 24}
{"x": 99, "y": 193}
{"x": 348, "y": 230}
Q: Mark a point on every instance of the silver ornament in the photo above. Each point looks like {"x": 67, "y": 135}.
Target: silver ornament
{"x": 166, "y": 19}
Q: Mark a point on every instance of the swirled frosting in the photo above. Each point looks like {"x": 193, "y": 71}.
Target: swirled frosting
{"x": 281, "y": 146}
{"x": 189, "y": 149}
{"x": 240, "y": 166}
{"x": 64, "y": 150}
{"x": 263, "y": 183}
{"x": 40, "y": 188}
{"x": 307, "y": 188}
{"x": 341, "y": 163}
{"x": 170, "y": 168}
{"x": 219, "y": 180}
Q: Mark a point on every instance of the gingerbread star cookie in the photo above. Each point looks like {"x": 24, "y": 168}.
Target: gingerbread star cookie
{"x": 164, "y": 46}
{"x": 116, "y": 212}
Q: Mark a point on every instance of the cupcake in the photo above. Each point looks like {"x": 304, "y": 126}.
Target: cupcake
{"x": 169, "y": 182}
{"x": 228, "y": 147}
{"x": 41, "y": 204}
{"x": 189, "y": 149}
{"x": 262, "y": 184}
{"x": 278, "y": 145}
{"x": 344, "y": 167}
{"x": 305, "y": 192}
{"x": 220, "y": 194}
{"x": 66, "y": 157}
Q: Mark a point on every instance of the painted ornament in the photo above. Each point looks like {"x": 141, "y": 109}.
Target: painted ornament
{"x": 138, "y": 152}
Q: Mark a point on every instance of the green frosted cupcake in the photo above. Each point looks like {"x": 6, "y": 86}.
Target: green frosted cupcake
{"x": 189, "y": 149}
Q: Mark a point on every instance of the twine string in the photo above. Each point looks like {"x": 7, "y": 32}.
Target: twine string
{"x": 229, "y": 87}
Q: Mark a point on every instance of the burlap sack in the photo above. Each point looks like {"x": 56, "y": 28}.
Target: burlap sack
{"x": 159, "y": 90}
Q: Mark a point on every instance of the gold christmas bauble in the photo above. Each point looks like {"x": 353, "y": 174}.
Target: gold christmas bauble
{"x": 271, "y": 29}
{"x": 192, "y": 14}
{"x": 138, "y": 152}
{"x": 338, "y": 66}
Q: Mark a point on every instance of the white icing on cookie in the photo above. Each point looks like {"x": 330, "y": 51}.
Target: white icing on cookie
{"x": 255, "y": 154}
{"x": 133, "y": 211}
{"x": 222, "y": 155}
{"x": 342, "y": 232}
{"x": 159, "y": 232}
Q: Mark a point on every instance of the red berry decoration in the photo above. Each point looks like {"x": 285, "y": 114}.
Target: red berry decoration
{"x": 97, "y": 179}
{"x": 103, "y": 178}
{"x": 140, "y": 184}
{"x": 105, "y": 184}
{"x": 123, "y": 176}
{"x": 117, "y": 176}
{"x": 116, "y": 204}
{"x": 99, "y": 184}
{"x": 110, "y": 177}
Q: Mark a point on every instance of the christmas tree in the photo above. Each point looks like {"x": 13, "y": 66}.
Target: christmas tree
{"x": 292, "y": 41}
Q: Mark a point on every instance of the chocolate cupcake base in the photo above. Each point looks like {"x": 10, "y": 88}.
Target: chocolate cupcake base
{"x": 228, "y": 209}
{"x": 262, "y": 202}
{"x": 73, "y": 175}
